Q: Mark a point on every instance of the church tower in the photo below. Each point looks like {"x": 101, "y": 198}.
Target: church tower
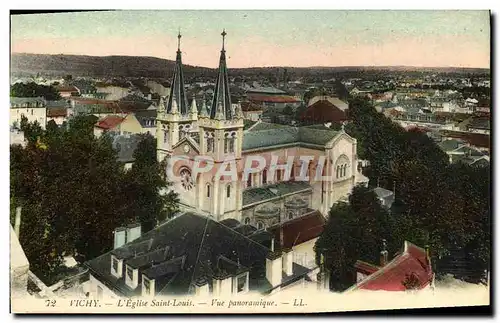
{"x": 176, "y": 119}
{"x": 221, "y": 137}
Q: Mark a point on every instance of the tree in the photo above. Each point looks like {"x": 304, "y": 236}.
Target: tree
{"x": 146, "y": 187}
{"x": 29, "y": 90}
{"x": 74, "y": 193}
{"x": 354, "y": 231}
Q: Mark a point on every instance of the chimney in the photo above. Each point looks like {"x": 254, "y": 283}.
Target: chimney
{"x": 17, "y": 224}
{"x": 119, "y": 237}
{"x": 428, "y": 255}
{"x": 133, "y": 232}
{"x": 288, "y": 262}
{"x": 274, "y": 267}
{"x": 383, "y": 254}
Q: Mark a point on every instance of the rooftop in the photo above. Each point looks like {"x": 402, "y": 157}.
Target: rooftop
{"x": 259, "y": 194}
{"x": 183, "y": 251}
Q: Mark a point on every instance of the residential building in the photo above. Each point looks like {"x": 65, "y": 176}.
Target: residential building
{"x": 194, "y": 255}
{"x": 57, "y": 111}
{"x": 34, "y": 109}
{"x": 110, "y": 123}
{"x": 143, "y": 121}
{"x": 324, "y": 109}
{"x": 409, "y": 270}
{"x": 67, "y": 91}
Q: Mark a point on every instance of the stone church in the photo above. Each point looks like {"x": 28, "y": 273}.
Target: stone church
{"x": 262, "y": 199}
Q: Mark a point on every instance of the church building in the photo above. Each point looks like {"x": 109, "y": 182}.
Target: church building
{"x": 264, "y": 198}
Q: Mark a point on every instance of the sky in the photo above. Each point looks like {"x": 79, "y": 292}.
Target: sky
{"x": 266, "y": 38}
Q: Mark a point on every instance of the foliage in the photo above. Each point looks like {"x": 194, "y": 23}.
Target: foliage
{"x": 74, "y": 193}
{"x": 444, "y": 206}
{"x": 29, "y": 90}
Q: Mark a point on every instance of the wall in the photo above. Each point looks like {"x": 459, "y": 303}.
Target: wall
{"x": 130, "y": 124}
{"x": 114, "y": 92}
{"x": 33, "y": 114}
{"x": 94, "y": 284}
{"x": 304, "y": 255}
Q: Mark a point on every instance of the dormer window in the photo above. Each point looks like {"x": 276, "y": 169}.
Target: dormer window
{"x": 148, "y": 286}
{"x": 131, "y": 277}
{"x": 240, "y": 283}
{"x": 116, "y": 266}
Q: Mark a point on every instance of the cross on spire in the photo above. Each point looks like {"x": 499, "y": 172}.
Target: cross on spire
{"x": 179, "y": 40}
{"x": 223, "y": 37}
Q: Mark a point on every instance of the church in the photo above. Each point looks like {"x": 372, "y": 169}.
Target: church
{"x": 249, "y": 232}
{"x": 261, "y": 199}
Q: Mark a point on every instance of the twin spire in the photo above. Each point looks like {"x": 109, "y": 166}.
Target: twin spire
{"x": 220, "y": 108}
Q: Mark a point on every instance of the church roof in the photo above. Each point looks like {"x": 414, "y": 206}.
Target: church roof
{"x": 270, "y": 135}
{"x": 221, "y": 103}
{"x": 254, "y": 195}
{"x": 178, "y": 98}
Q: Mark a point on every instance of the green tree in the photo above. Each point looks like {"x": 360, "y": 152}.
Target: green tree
{"x": 146, "y": 187}
{"x": 28, "y": 90}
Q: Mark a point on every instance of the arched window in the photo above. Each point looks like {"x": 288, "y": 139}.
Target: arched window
{"x": 247, "y": 220}
{"x": 228, "y": 191}
{"x": 260, "y": 225}
{"x": 208, "y": 190}
{"x": 249, "y": 180}
{"x": 264, "y": 176}
{"x": 290, "y": 215}
{"x": 338, "y": 171}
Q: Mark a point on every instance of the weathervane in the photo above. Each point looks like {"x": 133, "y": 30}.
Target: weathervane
{"x": 223, "y": 37}
{"x": 179, "y": 40}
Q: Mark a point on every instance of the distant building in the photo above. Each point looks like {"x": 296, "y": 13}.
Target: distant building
{"x": 57, "y": 111}
{"x": 140, "y": 122}
{"x": 110, "y": 123}
{"x": 34, "y": 109}
{"x": 67, "y": 91}
{"x": 323, "y": 109}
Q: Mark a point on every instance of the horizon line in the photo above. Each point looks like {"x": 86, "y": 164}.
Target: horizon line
{"x": 273, "y": 66}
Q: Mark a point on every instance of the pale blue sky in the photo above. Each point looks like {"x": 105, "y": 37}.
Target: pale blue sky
{"x": 297, "y": 38}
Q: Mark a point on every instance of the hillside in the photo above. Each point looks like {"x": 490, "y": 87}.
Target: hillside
{"x": 140, "y": 66}
{"x": 80, "y": 65}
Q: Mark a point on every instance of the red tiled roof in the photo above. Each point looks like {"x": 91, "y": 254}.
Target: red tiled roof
{"x": 250, "y": 106}
{"x": 66, "y": 88}
{"x": 474, "y": 139}
{"x": 365, "y": 267}
{"x": 417, "y": 129}
{"x": 324, "y": 111}
{"x": 272, "y": 98}
{"x": 300, "y": 230}
{"x": 109, "y": 122}
{"x": 391, "y": 277}
{"x": 57, "y": 112}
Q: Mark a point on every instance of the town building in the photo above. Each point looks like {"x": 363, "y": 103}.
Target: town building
{"x": 322, "y": 109}
{"x": 410, "y": 269}
{"x": 194, "y": 255}
{"x": 34, "y": 109}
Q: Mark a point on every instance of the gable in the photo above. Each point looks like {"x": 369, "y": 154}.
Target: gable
{"x": 179, "y": 148}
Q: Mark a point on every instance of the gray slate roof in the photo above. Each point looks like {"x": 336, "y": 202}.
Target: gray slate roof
{"x": 450, "y": 144}
{"x": 257, "y": 194}
{"x": 125, "y": 146}
{"x": 185, "y": 250}
{"x": 15, "y": 101}
{"x": 143, "y": 116}
{"x": 270, "y": 135}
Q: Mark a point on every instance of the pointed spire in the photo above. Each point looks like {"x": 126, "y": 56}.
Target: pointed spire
{"x": 194, "y": 108}
{"x": 221, "y": 104}
{"x": 237, "y": 111}
{"x": 204, "y": 111}
{"x": 177, "y": 89}
{"x": 174, "y": 109}
{"x": 219, "y": 113}
{"x": 161, "y": 104}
